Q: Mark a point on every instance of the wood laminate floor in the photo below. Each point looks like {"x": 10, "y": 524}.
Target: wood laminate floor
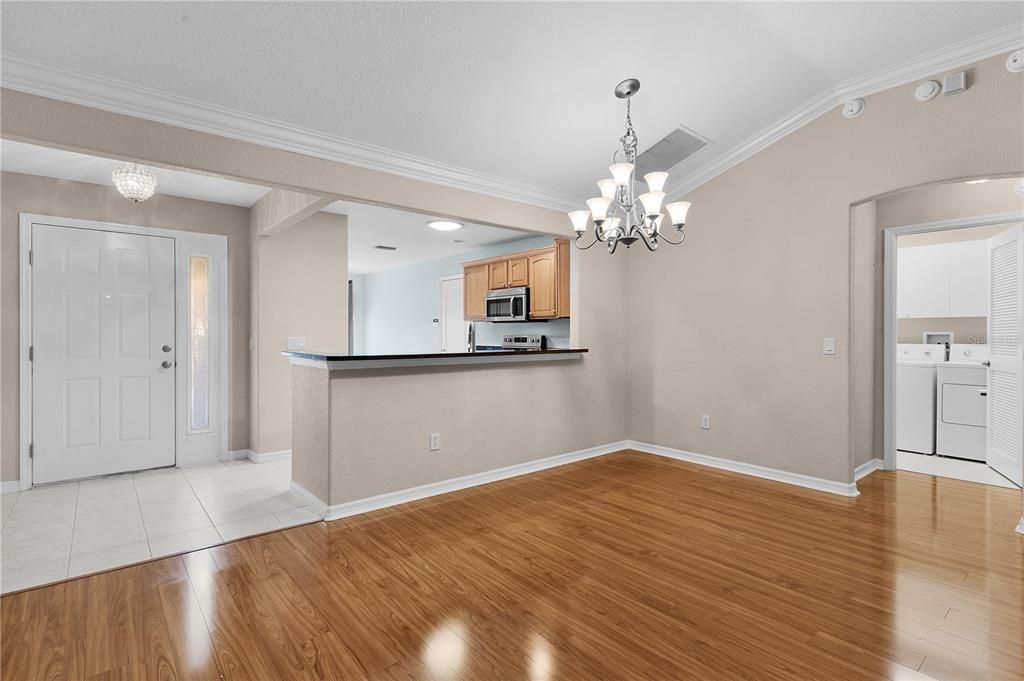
{"x": 624, "y": 567}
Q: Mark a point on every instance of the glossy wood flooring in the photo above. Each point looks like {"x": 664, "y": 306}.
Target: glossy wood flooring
{"x": 623, "y": 567}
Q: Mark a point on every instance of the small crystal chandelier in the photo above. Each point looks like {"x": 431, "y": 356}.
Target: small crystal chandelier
{"x": 619, "y": 215}
{"x": 135, "y": 182}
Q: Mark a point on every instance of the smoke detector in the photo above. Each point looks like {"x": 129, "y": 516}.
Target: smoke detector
{"x": 927, "y": 90}
{"x": 1015, "y": 62}
{"x": 853, "y": 108}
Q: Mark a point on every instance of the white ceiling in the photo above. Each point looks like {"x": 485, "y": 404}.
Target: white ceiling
{"x": 370, "y": 225}
{"x": 17, "y": 157}
{"x": 521, "y": 91}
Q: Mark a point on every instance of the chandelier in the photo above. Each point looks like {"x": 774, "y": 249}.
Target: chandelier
{"x": 135, "y": 182}
{"x": 619, "y": 215}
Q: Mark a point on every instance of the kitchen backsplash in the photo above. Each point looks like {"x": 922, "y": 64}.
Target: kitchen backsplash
{"x": 555, "y": 331}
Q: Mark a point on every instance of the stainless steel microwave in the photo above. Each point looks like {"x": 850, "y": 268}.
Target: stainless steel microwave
{"x": 508, "y": 305}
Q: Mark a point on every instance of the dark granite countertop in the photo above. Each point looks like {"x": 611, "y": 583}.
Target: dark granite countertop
{"x": 335, "y": 357}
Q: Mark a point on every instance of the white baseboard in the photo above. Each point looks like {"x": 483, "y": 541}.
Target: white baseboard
{"x": 819, "y": 484}
{"x": 10, "y": 486}
{"x": 267, "y": 457}
{"x": 312, "y": 501}
{"x": 867, "y": 468}
{"x": 236, "y": 455}
{"x": 404, "y": 496}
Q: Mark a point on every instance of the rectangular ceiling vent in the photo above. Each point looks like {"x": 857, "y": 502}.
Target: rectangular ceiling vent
{"x": 382, "y": 247}
{"x": 672, "y": 149}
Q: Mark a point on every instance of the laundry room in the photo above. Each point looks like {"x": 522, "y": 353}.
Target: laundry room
{"x": 956, "y": 277}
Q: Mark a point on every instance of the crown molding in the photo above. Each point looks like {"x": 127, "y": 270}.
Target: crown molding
{"x": 929, "y": 64}
{"x": 99, "y": 92}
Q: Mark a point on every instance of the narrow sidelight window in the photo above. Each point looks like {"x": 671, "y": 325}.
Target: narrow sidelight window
{"x": 199, "y": 343}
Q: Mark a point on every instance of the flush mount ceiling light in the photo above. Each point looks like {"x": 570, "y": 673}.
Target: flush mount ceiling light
{"x": 444, "y": 225}
{"x": 135, "y": 182}
{"x": 619, "y": 215}
{"x": 981, "y": 181}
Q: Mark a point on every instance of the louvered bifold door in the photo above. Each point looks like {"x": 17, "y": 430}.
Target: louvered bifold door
{"x": 1006, "y": 387}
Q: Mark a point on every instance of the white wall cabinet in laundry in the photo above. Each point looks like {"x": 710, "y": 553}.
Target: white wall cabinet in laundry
{"x": 943, "y": 280}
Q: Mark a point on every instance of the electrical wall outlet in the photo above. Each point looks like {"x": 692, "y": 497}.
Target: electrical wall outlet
{"x": 435, "y": 441}
{"x": 705, "y": 422}
{"x": 295, "y": 343}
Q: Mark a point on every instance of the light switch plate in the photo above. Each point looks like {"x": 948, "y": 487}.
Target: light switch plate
{"x": 705, "y": 422}
{"x": 435, "y": 442}
{"x": 829, "y": 346}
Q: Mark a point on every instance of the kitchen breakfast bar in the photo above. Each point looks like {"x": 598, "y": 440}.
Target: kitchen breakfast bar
{"x": 371, "y": 431}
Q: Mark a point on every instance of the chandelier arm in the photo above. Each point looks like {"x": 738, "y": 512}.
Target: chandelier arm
{"x": 579, "y": 240}
{"x": 682, "y": 237}
{"x": 652, "y": 244}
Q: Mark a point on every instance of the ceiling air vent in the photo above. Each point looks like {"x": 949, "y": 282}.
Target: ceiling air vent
{"x": 382, "y": 247}
{"x": 666, "y": 153}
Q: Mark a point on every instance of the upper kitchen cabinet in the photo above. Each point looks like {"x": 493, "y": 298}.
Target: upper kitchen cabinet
{"x": 498, "y": 274}
{"x": 943, "y": 280}
{"x": 545, "y": 271}
{"x": 474, "y": 291}
{"x": 543, "y": 284}
{"x": 518, "y": 272}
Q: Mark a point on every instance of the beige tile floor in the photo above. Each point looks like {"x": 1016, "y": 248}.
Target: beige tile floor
{"x": 67, "y": 530}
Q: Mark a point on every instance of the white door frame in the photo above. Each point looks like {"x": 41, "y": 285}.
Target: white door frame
{"x": 889, "y": 313}
{"x": 185, "y": 244}
{"x": 443, "y": 323}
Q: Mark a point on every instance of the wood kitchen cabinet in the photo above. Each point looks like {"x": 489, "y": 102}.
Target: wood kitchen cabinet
{"x": 545, "y": 271}
{"x": 518, "y": 272}
{"x": 497, "y": 274}
{"x": 474, "y": 292}
{"x": 543, "y": 284}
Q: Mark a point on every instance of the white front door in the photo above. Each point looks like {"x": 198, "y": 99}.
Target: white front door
{"x": 103, "y": 357}
{"x": 1005, "y": 447}
{"x": 453, "y": 318}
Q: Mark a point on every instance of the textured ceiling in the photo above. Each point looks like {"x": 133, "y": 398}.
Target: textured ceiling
{"x": 517, "y": 90}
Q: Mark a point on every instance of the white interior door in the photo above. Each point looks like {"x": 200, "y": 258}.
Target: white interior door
{"x": 1005, "y": 446}
{"x": 453, "y": 318}
{"x": 102, "y": 383}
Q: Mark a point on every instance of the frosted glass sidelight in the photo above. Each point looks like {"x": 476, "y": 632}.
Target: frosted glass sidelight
{"x": 199, "y": 342}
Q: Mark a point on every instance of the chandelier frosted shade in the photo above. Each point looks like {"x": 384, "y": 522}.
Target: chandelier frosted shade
{"x": 621, "y": 173}
{"x": 599, "y": 208}
{"x": 135, "y": 182}
{"x": 607, "y": 187}
{"x": 652, "y": 202}
{"x": 579, "y": 220}
{"x": 677, "y": 212}
{"x": 655, "y": 181}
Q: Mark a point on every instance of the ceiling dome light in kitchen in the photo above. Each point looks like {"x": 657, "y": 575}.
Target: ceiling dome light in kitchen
{"x": 619, "y": 215}
{"x": 444, "y": 225}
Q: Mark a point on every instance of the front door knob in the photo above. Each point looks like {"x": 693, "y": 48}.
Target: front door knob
{"x": 166, "y": 348}
{"x": 166, "y": 364}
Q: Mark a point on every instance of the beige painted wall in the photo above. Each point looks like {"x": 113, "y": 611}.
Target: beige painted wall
{"x": 770, "y": 250}
{"x": 488, "y": 417}
{"x": 302, "y": 290}
{"x": 946, "y": 202}
{"x": 63, "y": 198}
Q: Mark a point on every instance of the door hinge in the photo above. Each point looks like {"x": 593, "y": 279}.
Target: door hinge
{"x": 31, "y": 450}
{"x": 31, "y": 352}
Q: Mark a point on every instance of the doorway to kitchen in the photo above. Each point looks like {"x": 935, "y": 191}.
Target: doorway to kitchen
{"x": 954, "y": 305}
{"x": 123, "y": 348}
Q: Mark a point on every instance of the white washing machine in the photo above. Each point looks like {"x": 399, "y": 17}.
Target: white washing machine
{"x": 962, "y": 403}
{"x": 916, "y": 375}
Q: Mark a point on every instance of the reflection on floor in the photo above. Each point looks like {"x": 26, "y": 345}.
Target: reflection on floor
{"x": 628, "y": 567}
{"x": 70, "y": 529}
{"x": 944, "y": 467}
